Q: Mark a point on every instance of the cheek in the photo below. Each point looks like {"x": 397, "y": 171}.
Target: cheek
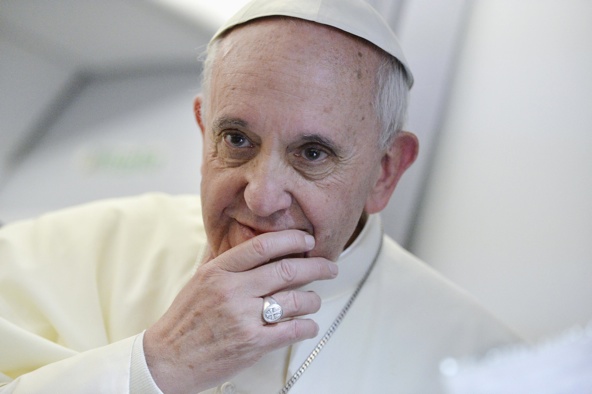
{"x": 219, "y": 189}
{"x": 334, "y": 216}
{"x": 217, "y": 195}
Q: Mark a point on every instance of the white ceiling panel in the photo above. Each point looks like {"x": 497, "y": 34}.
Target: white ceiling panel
{"x": 103, "y": 35}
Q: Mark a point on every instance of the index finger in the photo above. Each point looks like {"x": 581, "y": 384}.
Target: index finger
{"x": 264, "y": 248}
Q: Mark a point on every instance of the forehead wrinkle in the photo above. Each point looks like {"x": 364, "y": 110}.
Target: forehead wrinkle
{"x": 346, "y": 56}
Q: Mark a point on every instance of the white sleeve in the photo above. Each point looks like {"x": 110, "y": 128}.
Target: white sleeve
{"x": 141, "y": 381}
{"x": 102, "y": 370}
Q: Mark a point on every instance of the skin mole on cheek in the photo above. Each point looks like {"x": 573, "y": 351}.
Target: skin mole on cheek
{"x": 359, "y": 74}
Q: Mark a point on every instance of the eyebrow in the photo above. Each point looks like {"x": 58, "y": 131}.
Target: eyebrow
{"x": 225, "y": 122}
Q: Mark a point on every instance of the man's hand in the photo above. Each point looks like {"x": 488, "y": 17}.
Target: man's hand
{"x": 214, "y": 327}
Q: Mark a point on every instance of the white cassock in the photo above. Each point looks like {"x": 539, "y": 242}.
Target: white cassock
{"x": 79, "y": 287}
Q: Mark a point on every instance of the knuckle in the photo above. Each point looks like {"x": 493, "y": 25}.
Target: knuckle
{"x": 295, "y": 300}
{"x": 286, "y": 270}
{"x": 301, "y": 329}
{"x": 259, "y": 246}
{"x": 294, "y": 331}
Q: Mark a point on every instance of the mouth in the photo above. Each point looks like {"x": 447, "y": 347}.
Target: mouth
{"x": 254, "y": 231}
{"x": 248, "y": 232}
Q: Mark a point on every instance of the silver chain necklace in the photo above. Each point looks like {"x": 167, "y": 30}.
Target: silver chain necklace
{"x": 331, "y": 329}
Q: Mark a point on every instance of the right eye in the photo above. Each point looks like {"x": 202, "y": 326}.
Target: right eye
{"x": 237, "y": 140}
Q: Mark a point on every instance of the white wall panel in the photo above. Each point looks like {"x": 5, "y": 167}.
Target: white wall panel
{"x": 28, "y": 85}
{"x": 508, "y": 211}
{"x": 429, "y": 33}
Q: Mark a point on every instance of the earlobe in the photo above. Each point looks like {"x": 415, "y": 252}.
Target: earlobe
{"x": 395, "y": 161}
{"x": 197, "y": 107}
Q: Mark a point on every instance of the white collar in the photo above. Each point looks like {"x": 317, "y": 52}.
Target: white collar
{"x": 353, "y": 262}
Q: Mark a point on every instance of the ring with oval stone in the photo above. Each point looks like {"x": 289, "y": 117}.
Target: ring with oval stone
{"x": 272, "y": 311}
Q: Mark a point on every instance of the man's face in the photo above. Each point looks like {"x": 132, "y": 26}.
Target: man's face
{"x": 290, "y": 135}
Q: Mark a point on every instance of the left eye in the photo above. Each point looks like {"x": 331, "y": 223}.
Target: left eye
{"x": 313, "y": 154}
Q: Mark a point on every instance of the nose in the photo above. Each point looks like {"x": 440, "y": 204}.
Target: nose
{"x": 266, "y": 192}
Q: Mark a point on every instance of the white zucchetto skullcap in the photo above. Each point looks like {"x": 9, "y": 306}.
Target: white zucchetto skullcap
{"x": 356, "y": 17}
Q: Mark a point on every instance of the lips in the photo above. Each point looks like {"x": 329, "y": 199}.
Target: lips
{"x": 254, "y": 231}
{"x": 248, "y": 231}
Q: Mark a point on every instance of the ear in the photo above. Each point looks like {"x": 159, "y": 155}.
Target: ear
{"x": 398, "y": 157}
{"x": 197, "y": 107}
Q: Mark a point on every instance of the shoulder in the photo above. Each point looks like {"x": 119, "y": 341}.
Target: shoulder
{"x": 107, "y": 232}
{"x": 79, "y": 264}
{"x": 425, "y": 298}
{"x": 410, "y": 272}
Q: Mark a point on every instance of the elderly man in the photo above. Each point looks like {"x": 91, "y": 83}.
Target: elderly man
{"x": 301, "y": 117}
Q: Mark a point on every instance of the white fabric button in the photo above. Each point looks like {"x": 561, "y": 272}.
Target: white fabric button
{"x": 227, "y": 388}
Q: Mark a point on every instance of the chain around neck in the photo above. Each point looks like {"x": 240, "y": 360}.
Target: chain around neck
{"x": 290, "y": 383}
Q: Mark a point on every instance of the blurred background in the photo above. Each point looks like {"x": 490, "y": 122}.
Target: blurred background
{"x": 96, "y": 102}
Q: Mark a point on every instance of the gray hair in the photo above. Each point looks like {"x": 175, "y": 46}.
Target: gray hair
{"x": 392, "y": 96}
{"x": 390, "y": 101}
